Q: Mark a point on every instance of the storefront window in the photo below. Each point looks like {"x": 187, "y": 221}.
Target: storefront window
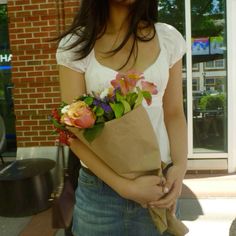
{"x": 6, "y": 101}
{"x": 209, "y": 52}
{"x": 209, "y": 75}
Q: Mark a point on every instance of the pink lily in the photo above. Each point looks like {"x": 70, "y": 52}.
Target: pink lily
{"x": 149, "y": 87}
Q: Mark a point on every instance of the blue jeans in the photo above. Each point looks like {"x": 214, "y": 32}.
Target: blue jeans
{"x": 100, "y": 211}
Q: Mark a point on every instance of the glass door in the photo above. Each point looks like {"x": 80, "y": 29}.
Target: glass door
{"x": 6, "y": 101}
{"x": 203, "y": 23}
{"x": 209, "y": 76}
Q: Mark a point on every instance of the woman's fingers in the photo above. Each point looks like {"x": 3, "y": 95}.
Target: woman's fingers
{"x": 146, "y": 189}
{"x": 172, "y": 189}
{"x": 167, "y": 201}
{"x": 173, "y": 208}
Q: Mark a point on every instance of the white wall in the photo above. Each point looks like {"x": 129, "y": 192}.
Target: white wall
{"x": 231, "y": 33}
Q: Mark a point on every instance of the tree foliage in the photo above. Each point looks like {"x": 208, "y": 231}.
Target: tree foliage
{"x": 213, "y": 102}
{"x": 3, "y": 13}
{"x": 3, "y": 27}
{"x": 207, "y": 16}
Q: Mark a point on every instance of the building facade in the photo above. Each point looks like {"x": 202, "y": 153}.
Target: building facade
{"x": 29, "y": 86}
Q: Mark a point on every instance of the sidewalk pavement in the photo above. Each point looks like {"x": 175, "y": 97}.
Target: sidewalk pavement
{"x": 208, "y": 208}
{"x": 208, "y": 205}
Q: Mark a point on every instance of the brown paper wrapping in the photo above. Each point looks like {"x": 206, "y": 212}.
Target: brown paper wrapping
{"x": 128, "y": 145}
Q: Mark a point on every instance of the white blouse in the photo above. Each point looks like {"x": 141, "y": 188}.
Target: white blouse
{"x": 98, "y": 76}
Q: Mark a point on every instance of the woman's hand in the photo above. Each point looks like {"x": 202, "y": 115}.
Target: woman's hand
{"x": 172, "y": 188}
{"x": 144, "y": 189}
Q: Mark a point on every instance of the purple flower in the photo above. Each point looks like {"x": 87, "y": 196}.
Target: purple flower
{"x": 106, "y": 107}
{"x": 96, "y": 102}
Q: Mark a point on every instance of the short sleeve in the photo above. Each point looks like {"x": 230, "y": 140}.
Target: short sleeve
{"x": 173, "y": 42}
{"x": 66, "y": 57}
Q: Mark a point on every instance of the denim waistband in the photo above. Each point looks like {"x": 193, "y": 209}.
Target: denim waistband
{"x": 87, "y": 171}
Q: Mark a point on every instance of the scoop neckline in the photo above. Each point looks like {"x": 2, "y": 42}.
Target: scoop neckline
{"x": 145, "y": 70}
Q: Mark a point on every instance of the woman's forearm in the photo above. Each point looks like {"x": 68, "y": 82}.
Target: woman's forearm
{"x": 141, "y": 190}
{"x": 177, "y": 132}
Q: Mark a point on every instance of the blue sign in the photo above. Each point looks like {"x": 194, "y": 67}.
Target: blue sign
{"x": 5, "y": 61}
{"x": 5, "y": 67}
{"x": 200, "y": 46}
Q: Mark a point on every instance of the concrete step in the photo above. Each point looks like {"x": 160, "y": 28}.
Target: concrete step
{"x": 209, "y": 217}
{"x": 207, "y": 227}
{"x": 208, "y": 186}
{"x": 208, "y": 205}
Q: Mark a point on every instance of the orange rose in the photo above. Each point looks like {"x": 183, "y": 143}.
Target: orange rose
{"x": 79, "y": 115}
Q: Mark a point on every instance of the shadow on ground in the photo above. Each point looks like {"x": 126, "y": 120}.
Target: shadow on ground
{"x": 190, "y": 208}
{"x": 232, "y": 230}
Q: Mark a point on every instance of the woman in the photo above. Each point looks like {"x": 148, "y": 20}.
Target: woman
{"x": 108, "y": 36}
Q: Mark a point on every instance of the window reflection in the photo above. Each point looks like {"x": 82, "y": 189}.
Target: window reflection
{"x": 6, "y": 100}
{"x": 208, "y": 69}
{"x": 210, "y": 79}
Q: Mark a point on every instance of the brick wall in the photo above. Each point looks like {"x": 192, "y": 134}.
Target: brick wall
{"x": 34, "y": 71}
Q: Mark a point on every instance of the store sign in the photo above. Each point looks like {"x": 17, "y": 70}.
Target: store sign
{"x": 5, "y": 58}
{"x": 217, "y": 45}
{"x": 200, "y": 46}
{"x": 208, "y": 45}
{"x": 5, "y": 61}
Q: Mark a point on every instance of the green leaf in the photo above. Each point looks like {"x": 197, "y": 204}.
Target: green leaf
{"x": 139, "y": 98}
{"x": 131, "y": 98}
{"x": 54, "y": 132}
{"x": 91, "y": 133}
{"x": 109, "y": 116}
{"x": 57, "y": 125}
{"x": 147, "y": 95}
{"x": 100, "y": 119}
{"x": 94, "y": 109}
{"x": 99, "y": 111}
{"x": 126, "y": 105}
{"x": 119, "y": 97}
{"x": 88, "y": 101}
{"x": 63, "y": 104}
{"x": 118, "y": 109}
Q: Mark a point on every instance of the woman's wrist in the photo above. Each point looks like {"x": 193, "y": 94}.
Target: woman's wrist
{"x": 124, "y": 187}
{"x": 182, "y": 168}
{"x": 180, "y": 162}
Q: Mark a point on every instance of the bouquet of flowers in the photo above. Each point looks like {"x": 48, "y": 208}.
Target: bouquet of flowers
{"x": 90, "y": 112}
{"x": 112, "y": 122}
{"x": 116, "y": 127}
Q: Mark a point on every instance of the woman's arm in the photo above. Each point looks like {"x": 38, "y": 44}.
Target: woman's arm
{"x": 177, "y": 131}
{"x": 142, "y": 189}
{"x": 174, "y": 117}
{"x": 72, "y": 84}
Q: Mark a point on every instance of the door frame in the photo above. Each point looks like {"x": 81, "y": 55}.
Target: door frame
{"x": 221, "y": 160}
{"x": 231, "y": 60}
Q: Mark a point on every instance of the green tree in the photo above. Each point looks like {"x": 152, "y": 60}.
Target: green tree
{"x": 3, "y": 13}
{"x": 213, "y": 102}
{"x": 4, "y": 39}
{"x": 207, "y": 16}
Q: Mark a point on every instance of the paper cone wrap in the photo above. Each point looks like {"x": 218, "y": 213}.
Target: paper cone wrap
{"x": 129, "y": 145}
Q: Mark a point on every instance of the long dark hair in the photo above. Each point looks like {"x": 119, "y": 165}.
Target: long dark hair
{"x": 91, "y": 21}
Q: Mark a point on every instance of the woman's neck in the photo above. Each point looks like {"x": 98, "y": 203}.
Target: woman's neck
{"x": 118, "y": 18}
